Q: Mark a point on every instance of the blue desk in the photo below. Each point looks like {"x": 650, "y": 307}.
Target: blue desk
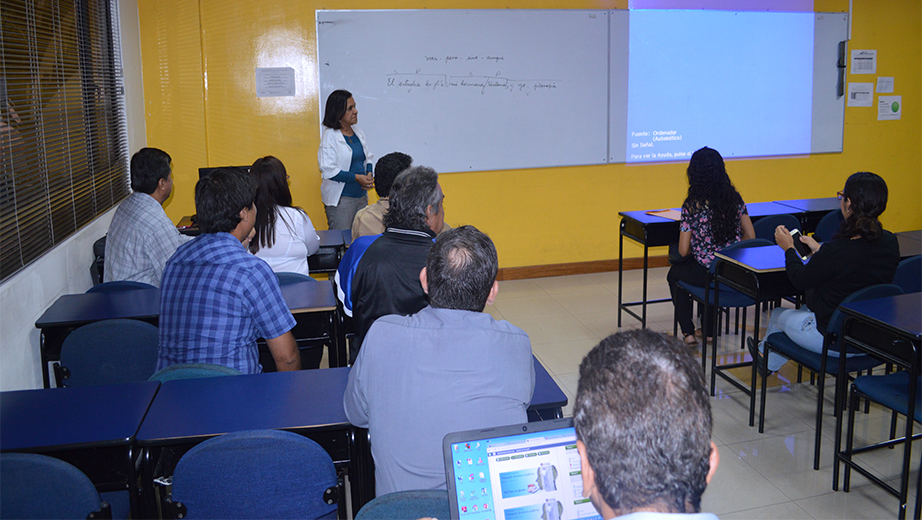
{"x": 891, "y": 330}
{"x": 758, "y": 210}
{"x": 91, "y": 427}
{"x": 75, "y": 310}
{"x": 811, "y": 210}
{"x": 758, "y": 272}
{"x": 548, "y": 400}
{"x": 649, "y": 231}
{"x": 308, "y": 402}
{"x": 910, "y": 243}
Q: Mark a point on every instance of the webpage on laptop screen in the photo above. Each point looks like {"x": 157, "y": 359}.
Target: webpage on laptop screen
{"x": 522, "y": 477}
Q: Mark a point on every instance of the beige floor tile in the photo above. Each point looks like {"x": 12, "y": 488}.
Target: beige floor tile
{"x": 736, "y": 486}
{"x": 787, "y": 510}
{"x": 553, "y": 328}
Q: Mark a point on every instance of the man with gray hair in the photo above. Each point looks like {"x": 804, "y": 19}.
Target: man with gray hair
{"x": 643, "y": 428}
{"x": 450, "y": 367}
{"x": 386, "y": 280}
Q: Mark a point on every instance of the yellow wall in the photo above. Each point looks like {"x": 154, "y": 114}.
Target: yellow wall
{"x": 199, "y": 58}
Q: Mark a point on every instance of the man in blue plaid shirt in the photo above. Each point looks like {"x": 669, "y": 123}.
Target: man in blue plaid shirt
{"x": 216, "y": 298}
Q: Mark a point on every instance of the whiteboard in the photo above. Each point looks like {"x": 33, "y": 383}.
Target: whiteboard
{"x": 472, "y": 90}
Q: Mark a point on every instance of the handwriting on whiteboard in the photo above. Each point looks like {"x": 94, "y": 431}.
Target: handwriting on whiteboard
{"x": 498, "y": 83}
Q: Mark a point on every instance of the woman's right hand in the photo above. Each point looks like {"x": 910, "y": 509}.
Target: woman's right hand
{"x": 811, "y": 243}
{"x": 367, "y": 182}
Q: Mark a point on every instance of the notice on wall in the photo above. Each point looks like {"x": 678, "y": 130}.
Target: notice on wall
{"x": 889, "y": 108}
{"x": 860, "y": 94}
{"x": 275, "y": 82}
{"x": 864, "y": 62}
{"x": 885, "y": 85}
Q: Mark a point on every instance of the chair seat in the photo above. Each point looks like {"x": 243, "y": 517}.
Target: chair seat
{"x": 892, "y": 391}
{"x": 780, "y": 342}
{"x": 728, "y": 297}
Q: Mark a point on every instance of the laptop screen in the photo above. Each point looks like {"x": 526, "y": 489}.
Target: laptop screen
{"x": 522, "y": 472}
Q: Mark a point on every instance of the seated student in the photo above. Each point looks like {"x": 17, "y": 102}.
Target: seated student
{"x": 859, "y": 255}
{"x": 285, "y": 236}
{"x": 216, "y": 298}
{"x": 450, "y": 367}
{"x": 643, "y": 428}
{"x": 141, "y": 237}
{"x": 370, "y": 219}
{"x": 386, "y": 279}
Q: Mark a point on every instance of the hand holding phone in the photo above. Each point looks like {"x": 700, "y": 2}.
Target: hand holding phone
{"x": 803, "y": 250}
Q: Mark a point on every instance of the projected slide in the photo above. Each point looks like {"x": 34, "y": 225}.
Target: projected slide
{"x": 739, "y": 82}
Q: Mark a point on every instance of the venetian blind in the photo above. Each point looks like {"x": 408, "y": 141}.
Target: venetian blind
{"x": 63, "y": 135}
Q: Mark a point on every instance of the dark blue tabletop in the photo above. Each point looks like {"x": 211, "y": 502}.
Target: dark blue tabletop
{"x": 330, "y": 237}
{"x": 644, "y": 218}
{"x": 758, "y": 259}
{"x": 347, "y": 237}
{"x": 196, "y": 408}
{"x": 902, "y": 313}
{"x": 309, "y": 296}
{"x": 547, "y": 393}
{"x": 765, "y": 209}
{"x": 77, "y": 417}
{"x": 77, "y": 309}
{"x": 912, "y": 235}
{"x": 822, "y": 204}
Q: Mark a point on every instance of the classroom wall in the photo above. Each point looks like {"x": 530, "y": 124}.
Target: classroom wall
{"x": 66, "y": 268}
{"x": 199, "y": 60}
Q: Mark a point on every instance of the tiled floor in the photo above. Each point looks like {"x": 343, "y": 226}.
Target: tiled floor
{"x": 760, "y": 476}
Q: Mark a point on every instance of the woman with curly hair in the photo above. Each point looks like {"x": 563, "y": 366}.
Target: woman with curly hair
{"x": 859, "y": 255}
{"x": 285, "y": 235}
{"x": 713, "y": 217}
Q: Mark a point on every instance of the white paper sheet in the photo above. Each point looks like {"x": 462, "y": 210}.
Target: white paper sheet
{"x": 889, "y": 108}
{"x": 885, "y": 85}
{"x": 860, "y": 95}
{"x": 275, "y": 81}
{"x": 864, "y": 62}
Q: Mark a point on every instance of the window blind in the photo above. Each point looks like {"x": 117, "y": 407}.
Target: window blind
{"x": 63, "y": 134}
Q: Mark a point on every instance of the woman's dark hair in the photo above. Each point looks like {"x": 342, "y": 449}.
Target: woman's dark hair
{"x": 271, "y": 192}
{"x": 336, "y": 107}
{"x": 867, "y": 193}
{"x": 709, "y": 188}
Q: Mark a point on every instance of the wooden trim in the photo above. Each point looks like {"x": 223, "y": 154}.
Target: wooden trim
{"x": 598, "y": 266}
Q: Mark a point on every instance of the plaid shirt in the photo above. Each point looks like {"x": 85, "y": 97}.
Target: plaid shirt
{"x": 215, "y": 300}
{"x": 141, "y": 239}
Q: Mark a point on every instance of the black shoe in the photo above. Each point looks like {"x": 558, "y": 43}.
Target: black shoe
{"x": 757, "y": 357}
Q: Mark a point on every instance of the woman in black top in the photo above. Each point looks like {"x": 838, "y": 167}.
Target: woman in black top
{"x": 860, "y": 254}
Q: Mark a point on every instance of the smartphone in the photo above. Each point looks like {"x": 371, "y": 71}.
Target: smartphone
{"x": 803, "y": 250}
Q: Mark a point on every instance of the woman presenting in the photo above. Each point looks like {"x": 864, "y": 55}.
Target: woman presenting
{"x": 862, "y": 253}
{"x": 345, "y": 162}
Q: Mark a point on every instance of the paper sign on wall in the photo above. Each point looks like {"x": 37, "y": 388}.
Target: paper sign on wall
{"x": 864, "y": 62}
{"x": 275, "y": 81}
{"x": 889, "y": 108}
{"x": 860, "y": 94}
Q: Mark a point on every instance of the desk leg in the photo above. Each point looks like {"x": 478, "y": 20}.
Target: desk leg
{"x": 752, "y": 395}
{"x": 361, "y": 469}
{"x": 620, "y": 269}
{"x": 646, "y": 250}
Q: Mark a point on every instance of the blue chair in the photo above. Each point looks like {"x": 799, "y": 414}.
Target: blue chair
{"x": 39, "y": 486}
{"x": 121, "y": 285}
{"x": 892, "y": 391}
{"x": 108, "y": 351}
{"x": 828, "y": 226}
{"x": 286, "y": 278}
{"x": 431, "y": 503}
{"x": 729, "y": 298}
{"x": 255, "y": 474}
{"x": 909, "y": 274}
{"x": 192, "y": 371}
{"x": 819, "y": 363}
{"x": 765, "y": 226}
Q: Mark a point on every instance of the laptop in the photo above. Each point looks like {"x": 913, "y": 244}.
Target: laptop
{"x": 521, "y": 472}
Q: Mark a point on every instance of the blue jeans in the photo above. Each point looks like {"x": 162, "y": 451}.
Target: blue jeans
{"x": 800, "y": 326}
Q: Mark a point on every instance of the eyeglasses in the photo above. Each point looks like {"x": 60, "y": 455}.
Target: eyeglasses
{"x": 840, "y": 195}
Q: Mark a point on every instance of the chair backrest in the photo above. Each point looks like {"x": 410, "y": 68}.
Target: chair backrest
{"x": 121, "y": 285}
{"x": 828, "y": 226}
{"x": 868, "y": 293}
{"x": 39, "y": 486}
{"x": 765, "y": 226}
{"x": 429, "y": 503}
{"x": 255, "y": 474}
{"x": 289, "y": 278}
{"x": 109, "y": 351}
{"x": 743, "y": 244}
{"x": 192, "y": 371}
{"x": 909, "y": 274}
